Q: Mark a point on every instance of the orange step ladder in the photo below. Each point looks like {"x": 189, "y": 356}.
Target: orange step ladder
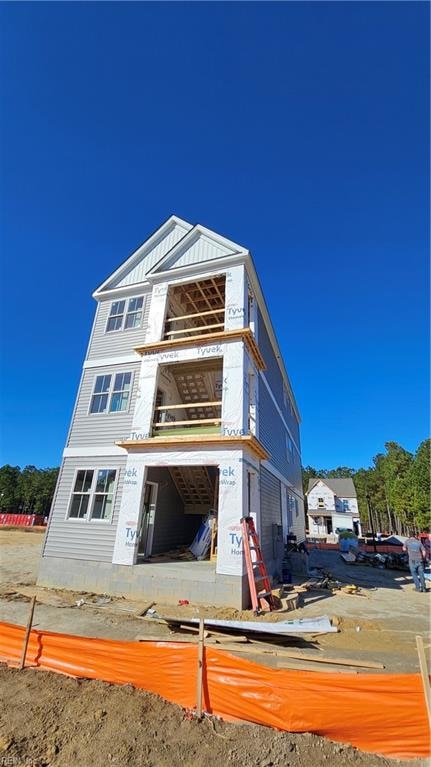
{"x": 259, "y": 582}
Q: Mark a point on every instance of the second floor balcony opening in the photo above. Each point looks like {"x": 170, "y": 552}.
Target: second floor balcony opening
{"x": 196, "y": 309}
{"x": 188, "y": 399}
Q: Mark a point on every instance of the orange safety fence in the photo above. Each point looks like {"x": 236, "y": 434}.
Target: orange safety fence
{"x": 379, "y": 713}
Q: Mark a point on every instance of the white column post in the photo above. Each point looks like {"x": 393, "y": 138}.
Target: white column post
{"x": 156, "y": 317}
{"x": 236, "y": 298}
{"x": 127, "y": 535}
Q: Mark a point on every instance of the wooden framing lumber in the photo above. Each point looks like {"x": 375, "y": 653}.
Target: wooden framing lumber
{"x": 194, "y": 329}
{"x": 172, "y": 424}
{"x": 238, "y": 334}
{"x": 247, "y": 442}
{"x": 185, "y": 405}
{"x": 252, "y": 649}
{"x": 197, "y": 314}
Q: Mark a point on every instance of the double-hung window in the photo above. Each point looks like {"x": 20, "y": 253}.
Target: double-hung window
{"x": 125, "y": 314}
{"x": 93, "y": 495}
{"x": 111, "y": 393}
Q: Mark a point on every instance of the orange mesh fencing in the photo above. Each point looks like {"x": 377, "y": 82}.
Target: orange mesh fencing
{"x": 379, "y": 713}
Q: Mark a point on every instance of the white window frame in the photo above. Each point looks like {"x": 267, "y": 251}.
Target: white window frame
{"x": 92, "y": 493}
{"x": 125, "y": 313}
{"x": 110, "y": 392}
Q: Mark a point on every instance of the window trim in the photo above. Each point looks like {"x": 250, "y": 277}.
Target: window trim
{"x": 108, "y": 411}
{"x": 89, "y": 518}
{"x": 127, "y": 300}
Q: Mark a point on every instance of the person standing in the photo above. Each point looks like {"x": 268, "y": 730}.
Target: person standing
{"x": 417, "y": 554}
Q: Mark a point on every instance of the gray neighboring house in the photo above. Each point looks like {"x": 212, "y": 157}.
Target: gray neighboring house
{"x": 184, "y": 406}
{"x": 332, "y": 503}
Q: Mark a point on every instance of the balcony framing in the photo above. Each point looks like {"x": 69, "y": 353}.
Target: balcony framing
{"x": 238, "y": 334}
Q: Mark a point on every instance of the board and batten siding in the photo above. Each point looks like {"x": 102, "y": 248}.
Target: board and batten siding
{"x": 100, "y": 428}
{"x": 117, "y": 342}
{"x": 270, "y": 515}
{"x": 275, "y": 379}
{"x": 171, "y": 526}
{"x": 78, "y": 539}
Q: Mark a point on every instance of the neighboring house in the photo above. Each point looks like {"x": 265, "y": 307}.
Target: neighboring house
{"x": 332, "y": 504}
{"x": 184, "y": 405}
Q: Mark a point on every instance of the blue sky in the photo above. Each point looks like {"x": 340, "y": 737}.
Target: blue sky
{"x": 297, "y": 129}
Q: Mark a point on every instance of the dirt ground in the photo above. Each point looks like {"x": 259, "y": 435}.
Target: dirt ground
{"x": 87, "y": 722}
{"x": 54, "y": 720}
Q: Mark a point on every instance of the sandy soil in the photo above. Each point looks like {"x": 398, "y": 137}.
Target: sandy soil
{"x": 48, "y": 719}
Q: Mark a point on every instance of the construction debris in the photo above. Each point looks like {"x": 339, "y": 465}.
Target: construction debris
{"x": 280, "y": 628}
{"x": 390, "y": 561}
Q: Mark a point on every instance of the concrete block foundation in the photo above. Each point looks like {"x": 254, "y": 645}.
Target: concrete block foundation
{"x": 162, "y": 581}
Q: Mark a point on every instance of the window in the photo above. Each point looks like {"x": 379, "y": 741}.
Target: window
{"x": 289, "y": 448}
{"x": 345, "y": 504}
{"x": 120, "y": 393}
{"x": 92, "y": 494}
{"x": 320, "y": 503}
{"x": 111, "y": 393}
{"x": 81, "y": 494}
{"x": 99, "y": 400}
{"x": 293, "y": 506}
{"x": 134, "y": 313}
{"x": 122, "y": 318}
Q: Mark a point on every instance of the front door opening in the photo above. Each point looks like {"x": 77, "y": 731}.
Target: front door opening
{"x": 177, "y": 499}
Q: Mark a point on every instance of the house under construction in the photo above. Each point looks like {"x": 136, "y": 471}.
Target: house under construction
{"x": 184, "y": 410}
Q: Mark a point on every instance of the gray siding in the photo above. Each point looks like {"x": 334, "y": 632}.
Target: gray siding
{"x": 270, "y": 514}
{"x": 100, "y": 428}
{"x": 116, "y": 342}
{"x": 275, "y": 379}
{"x": 78, "y": 539}
{"x": 272, "y": 434}
{"x": 171, "y": 526}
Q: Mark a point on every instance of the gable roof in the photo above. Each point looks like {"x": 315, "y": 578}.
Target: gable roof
{"x": 199, "y": 245}
{"x": 135, "y": 269}
{"x": 343, "y": 487}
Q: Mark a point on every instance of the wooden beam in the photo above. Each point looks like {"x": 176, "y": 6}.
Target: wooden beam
{"x": 195, "y": 329}
{"x": 190, "y": 404}
{"x": 171, "y": 424}
{"x": 243, "y": 334}
{"x": 247, "y": 441}
{"x": 253, "y": 650}
{"x": 198, "y": 314}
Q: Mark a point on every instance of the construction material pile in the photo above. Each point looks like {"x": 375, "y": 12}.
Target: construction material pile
{"x": 391, "y": 561}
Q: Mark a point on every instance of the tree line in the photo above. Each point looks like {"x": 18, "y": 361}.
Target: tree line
{"x": 394, "y": 493}
{"x": 26, "y": 491}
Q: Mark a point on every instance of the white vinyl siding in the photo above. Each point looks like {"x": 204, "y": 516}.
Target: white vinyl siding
{"x": 77, "y": 538}
{"x": 105, "y": 344}
{"x": 103, "y": 428}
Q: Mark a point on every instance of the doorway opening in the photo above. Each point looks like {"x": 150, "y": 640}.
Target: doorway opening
{"x": 177, "y": 500}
